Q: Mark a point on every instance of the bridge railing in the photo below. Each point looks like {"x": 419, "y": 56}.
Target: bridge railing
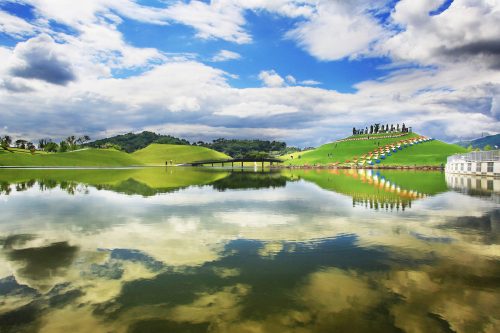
{"x": 476, "y": 156}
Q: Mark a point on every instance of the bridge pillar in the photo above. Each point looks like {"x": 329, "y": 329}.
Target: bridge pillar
{"x": 262, "y": 165}
{"x": 242, "y": 164}
{"x": 222, "y": 163}
{"x": 212, "y": 164}
{"x": 232, "y": 164}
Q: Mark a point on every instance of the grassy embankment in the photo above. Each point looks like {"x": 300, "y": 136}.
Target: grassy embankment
{"x": 155, "y": 154}
{"x": 432, "y": 153}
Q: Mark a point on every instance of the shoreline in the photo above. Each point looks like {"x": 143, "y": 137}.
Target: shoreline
{"x": 391, "y": 167}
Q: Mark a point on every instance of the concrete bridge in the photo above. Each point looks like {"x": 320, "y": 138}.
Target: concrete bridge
{"x": 233, "y": 161}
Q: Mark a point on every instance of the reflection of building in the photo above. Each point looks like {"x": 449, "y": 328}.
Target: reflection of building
{"x": 484, "y": 163}
{"x": 475, "y": 185}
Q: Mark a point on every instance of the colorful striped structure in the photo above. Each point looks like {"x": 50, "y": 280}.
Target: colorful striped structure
{"x": 377, "y": 155}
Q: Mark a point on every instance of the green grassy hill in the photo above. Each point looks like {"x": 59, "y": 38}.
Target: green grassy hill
{"x": 157, "y": 154}
{"x": 154, "y": 154}
{"x": 428, "y": 153}
{"x": 86, "y": 157}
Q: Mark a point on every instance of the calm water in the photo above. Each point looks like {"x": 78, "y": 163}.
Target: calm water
{"x": 187, "y": 250}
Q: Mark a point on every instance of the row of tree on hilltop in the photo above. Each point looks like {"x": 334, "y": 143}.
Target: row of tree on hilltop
{"x": 70, "y": 143}
{"x": 380, "y": 128}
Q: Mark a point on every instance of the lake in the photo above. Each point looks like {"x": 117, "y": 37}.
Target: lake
{"x": 215, "y": 250}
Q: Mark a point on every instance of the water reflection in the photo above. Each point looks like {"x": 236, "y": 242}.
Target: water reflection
{"x": 488, "y": 187}
{"x": 211, "y": 251}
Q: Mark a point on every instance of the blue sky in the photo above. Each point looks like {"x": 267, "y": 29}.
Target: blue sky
{"x": 302, "y": 71}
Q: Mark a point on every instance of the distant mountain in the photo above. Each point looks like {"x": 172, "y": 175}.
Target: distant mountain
{"x": 492, "y": 140}
{"x": 131, "y": 142}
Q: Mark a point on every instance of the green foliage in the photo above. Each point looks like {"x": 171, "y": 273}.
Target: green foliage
{"x": 63, "y": 147}
{"x": 243, "y": 148}
{"x": 487, "y": 147}
{"x": 492, "y": 140}
{"x": 51, "y": 147}
{"x": 131, "y": 142}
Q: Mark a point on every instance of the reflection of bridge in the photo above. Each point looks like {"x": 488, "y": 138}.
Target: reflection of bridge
{"x": 235, "y": 160}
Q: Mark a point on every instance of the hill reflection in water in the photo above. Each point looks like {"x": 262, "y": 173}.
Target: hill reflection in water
{"x": 368, "y": 188}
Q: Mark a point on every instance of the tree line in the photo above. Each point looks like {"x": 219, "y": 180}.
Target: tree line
{"x": 130, "y": 142}
{"x": 70, "y": 143}
{"x": 247, "y": 148}
{"x": 381, "y": 128}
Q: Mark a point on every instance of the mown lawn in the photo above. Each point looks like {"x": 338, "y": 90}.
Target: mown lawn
{"x": 86, "y": 157}
{"x": 155, "y": 154}
{"x": 339, "y": 151}
{"x": 158, "y": 154}
{"x": 431, "y": 153}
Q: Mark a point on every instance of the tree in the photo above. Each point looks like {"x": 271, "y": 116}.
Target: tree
{"x": 31, "y": 147}
{"x": 20, "y": 143}
{"x": 71, "y": 143}
{"x": 51, "y": 147}
{"x": 42, "y": 143}
{"x": 64, "y": 146}
{"x": 487, "y": 147}
{"x": 83, "y": 139}
{"x": 7, "y": 140}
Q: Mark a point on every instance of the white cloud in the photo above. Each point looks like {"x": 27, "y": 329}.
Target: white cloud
{"x": 256, "y": 109}
{"x": 15, "y": 26}
{"x": 290, "y": 79}
{"x": 271, "y": 79}
{"x": 225, "y": 55}
{"x": 217, "y": 19}
{"x": 465, "y": 30}
{"x": 310, "y": 82}
{"x": 337, "y": 30}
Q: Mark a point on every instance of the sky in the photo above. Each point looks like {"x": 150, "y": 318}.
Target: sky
{"x": 300, "y": 71}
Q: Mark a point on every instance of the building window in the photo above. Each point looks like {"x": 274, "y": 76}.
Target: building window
{"x": 490, "y": 166}
{"x": 478, "y": 167}
{"x": 489, "y": 185}
{"x": 461, "y": 167}
{"x": 469, "y": 166}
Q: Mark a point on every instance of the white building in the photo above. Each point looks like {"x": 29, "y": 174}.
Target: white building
{"x": 479, "y": 163}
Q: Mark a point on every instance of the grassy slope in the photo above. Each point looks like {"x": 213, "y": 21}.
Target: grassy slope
{"x": 341, "y": 151}
{"x": 428, "y": 153}
{"x": 87, "y": 157}
{"x": 157, "y": 154}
